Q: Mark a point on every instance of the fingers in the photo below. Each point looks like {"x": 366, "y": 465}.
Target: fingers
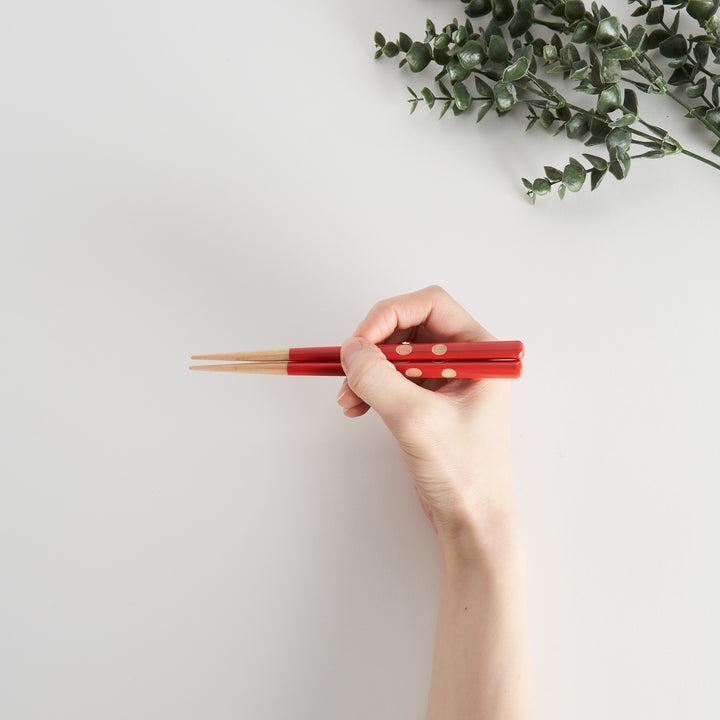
{"x": 376, "y": 382}
{"x": 351, "y": 404}
{"x": 434, "y": 314}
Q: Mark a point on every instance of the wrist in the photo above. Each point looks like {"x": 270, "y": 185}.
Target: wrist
{"x": 489, "y": 538}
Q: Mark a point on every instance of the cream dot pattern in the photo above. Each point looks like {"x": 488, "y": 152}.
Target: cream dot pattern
{"x": 413, "y": 372}
{"x": 403, "y": 349}
{"x": 449, "y": 373}
{"x": 439, "y": 349}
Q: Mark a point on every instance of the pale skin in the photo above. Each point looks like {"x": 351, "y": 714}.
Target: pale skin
{"x": 455, "y": 439}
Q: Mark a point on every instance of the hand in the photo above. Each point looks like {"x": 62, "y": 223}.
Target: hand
{"x": 454, "y": 434}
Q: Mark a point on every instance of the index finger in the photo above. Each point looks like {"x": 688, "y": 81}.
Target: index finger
{"x": 428, "y": 315}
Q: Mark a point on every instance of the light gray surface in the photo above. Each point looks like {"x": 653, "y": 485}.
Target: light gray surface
{"x": 189, "y": 177}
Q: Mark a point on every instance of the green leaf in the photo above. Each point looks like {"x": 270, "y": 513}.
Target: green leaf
{"x": 527, "y": 183}
{"x": 413, "y": 105}
{"x": 621, "y": 52}
{"x": 418, "y": 56}
{"x": 637, "y": 38}
{"x": 608, "y": 31}
{"x": 505, "y": 96}
{"x": 573, "y": 177}
{"x": 561, "y": 191}
{"x": 444, "y": 89}
{"x": 428, "y": 96}
{"x": 379, "y": 39}
{"x": 674, "y": 46}
{"x": 713, "y": 117}
{"x": 460, "y": 35}
{"x": 583, "y": 32}
{"x": 378, "y": 53}
{"x": 596, "y": 161}
{"x": 576, "y": 126}
{"x": 482, "y": 87}
{"x": 624, "y": 121}
{"x": 619, "y": 137}
{"x": 610, "y": 69}
{"x": 630, "y": 101}
{"x": 619, "y": 163}
{"x": 411, "y": 91}
{"x": 655, "y": 15}
{"x": 445, "y": 108}
{"x": 462, "y": 96}
{"x": 546, "y": 118}
{"x": 404, "y": 42}
{"x": 470, "y": 54}
{"x": 517, "y": 70}
{"x": 716, "y": 149}
{"x": 391, "y": 50}
{"x": 701, "y": 10}
{"x": 581, "y": 72}
{"x": 552, "y": 173}
{"x": 696, "y": 90}
{"x": 609, "y": 99}
{"x": 596, "y": 177}
{"x": 456, "y": 72}
{"x": 541, "y": 186}
{"x": 477, "y": 8}
{"x": 441, "y": 41}
{"x": 483, "y": 109}
{"x": 502, "y": 10}
{"x": 521, "y": 22}
{"x": 574, "y": 10}
{"x": 550, "y": 53}
{"x": 497, "y": 50}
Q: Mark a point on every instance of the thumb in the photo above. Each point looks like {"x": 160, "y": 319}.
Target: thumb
{"x": 374, "y": 379}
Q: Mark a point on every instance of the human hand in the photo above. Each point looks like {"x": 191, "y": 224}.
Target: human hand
{"x": 454, "y": 435}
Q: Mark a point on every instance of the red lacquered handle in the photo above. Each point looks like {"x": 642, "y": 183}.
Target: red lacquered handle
{"x": 462, "y": 369}
{"x": 491, "y": 350}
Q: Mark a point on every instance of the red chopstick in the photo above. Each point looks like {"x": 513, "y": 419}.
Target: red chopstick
{"x": 489, "y": 350}
{"x": 458, "y": 369}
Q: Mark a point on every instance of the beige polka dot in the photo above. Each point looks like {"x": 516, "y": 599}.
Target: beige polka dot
{"x": 403, "y": 349}
{"x": 413, "y": 372}
{"x": 448, "y": 373}
{"x": 439, "y": 349}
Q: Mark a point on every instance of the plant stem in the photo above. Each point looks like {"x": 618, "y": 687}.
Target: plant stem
{"x": 700, "y": 158}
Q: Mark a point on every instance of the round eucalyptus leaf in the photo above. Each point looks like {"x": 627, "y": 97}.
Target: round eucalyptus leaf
{"x": 502, "y": 10}
{"x": 404, "y": 42}
{"x": 418, "y": 56}
{"x": 456, "y": 72}
{"x": 576, "y": 126}
{"x": 701, "y": 10}
{"x": 541, "y": 186}
{"x": 619, "y": 137}
{"x": 497, "y": 50}
{"x": 713, "y": 117}
{"x": 505, "y": 96}
{"x": 609, "y": 99}
{"x": 470, "y": 54}
{"x": 674, "y": 46}
{"x": 391, "y": 50}
{"x": 583, "y": 32}
{"x": 608, "y": 31}
{"x": 573, "y": 177}
{"x": 574, "y": 10}
{"x": 462, "y": 96}
{"x": 521, "y": 22}
{"x": 379, "y": 39}
{"x": 478, "y": 8}
{"x": 517, "y": 70}
{"x": 655, "y": 15}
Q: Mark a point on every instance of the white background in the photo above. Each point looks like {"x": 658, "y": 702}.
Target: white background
{"x": 185, "y": 177}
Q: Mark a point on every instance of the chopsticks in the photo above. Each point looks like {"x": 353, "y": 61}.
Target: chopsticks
{"x": 495, "y": 359}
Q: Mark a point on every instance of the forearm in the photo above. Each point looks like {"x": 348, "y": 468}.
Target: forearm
{"x": 481, "y": 666}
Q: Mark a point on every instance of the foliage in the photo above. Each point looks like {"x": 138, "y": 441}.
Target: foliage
{"x": 499, "y": 65}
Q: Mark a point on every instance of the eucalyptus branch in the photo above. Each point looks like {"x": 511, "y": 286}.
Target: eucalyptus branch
{"x": 510, "y": 66}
